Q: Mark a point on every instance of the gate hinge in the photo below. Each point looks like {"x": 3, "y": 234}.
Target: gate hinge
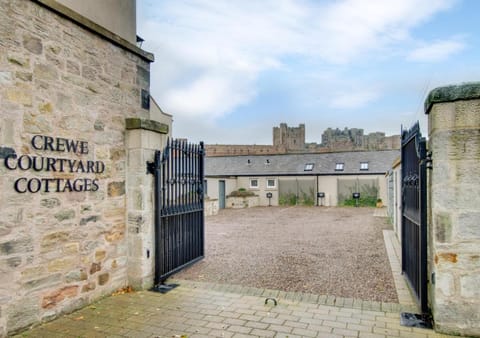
{"x": 428, "y": 160}
{"x": 151, "y": 167}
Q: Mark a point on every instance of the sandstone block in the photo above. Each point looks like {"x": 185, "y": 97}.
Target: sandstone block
{"x": 116, "y": 189}
{"x": 76, "y": 276}
{"x": 103, "y": 278}
{"x": 45, "y": 282}
{"x": 61, "y": 264}
{"x": 95, "y": 267}
{"x": 24, "y": 76}
{"x": 71, "y": 248}
{"x": 468, "y": 225}
{"x": 45, "y": 72}
{"x": 54, "y": 238}
{"x": 470, "y": 286}
{"x": 65, "y": 214}
{"x": 21, "y": 94}
{"x": 446, "y": 283}
{"x": 33, "y": 44}
{"x": 93, "y": 218}
{"x": 114, "y": 236}
{"x": 100, "y": 255}
{"x": 16, "y": 246}
{"x": 22, "y": 313}
{"x": 50, "y": 202}
{"x": 73, "y": 67}
{"x": 52, "y": 299}
{"x": 89, "y": 287}
{"x": 5, "y": 78}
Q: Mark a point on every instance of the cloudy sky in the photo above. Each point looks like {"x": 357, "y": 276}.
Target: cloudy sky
{"x": 230, "y": 70}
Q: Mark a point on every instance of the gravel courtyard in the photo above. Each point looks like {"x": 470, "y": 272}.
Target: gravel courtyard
{"x": 328, "y": 251}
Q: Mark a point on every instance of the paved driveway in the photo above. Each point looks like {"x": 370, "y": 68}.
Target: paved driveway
{"x": 318, "y": 250}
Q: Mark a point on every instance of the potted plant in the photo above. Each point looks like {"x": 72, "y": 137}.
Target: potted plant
{"x": 379, "y": 203}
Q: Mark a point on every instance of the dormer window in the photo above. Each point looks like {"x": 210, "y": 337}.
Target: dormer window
{"x": 308, "y": 167}
{"x": 339, "y": 166}
{"x": 363, "y": 165}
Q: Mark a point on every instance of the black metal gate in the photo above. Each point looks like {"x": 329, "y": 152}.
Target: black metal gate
{"x": 414, "y": 213}
{"x": 179, "y": 216}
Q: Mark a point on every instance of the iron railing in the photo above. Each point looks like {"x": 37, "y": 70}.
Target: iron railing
{"x": 414, "y": 213}
{"x": 179, "y": 214}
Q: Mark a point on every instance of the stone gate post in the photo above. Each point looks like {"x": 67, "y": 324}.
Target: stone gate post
{"x": 454, "y": 235}
{"x": 142, "y": 139}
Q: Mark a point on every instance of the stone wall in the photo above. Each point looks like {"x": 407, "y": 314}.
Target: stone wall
{"x": 454, "y": 217}
{"x": 65, "y": 94}
{"x": 291, "y": 140}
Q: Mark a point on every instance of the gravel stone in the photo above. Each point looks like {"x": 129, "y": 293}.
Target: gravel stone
{"x": 318, "y": 250}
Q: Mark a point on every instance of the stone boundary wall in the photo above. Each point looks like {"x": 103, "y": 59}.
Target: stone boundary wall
{"x": 242, "y": 202}
{"x": 65, "y": 94}
{"x": 454, "y": 216}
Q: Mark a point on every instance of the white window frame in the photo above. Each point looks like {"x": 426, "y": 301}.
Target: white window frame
{"x": 308, "y": 166}
{"x": 339, "y": 166}
{"x": 254, "y": 186}
{"x": 274, "y": 183}
{"x": 364, "y": 166}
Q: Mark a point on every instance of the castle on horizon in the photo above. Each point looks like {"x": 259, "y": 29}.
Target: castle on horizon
{"x": 291, "y": 140}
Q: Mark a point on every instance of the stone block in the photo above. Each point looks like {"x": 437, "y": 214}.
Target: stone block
{"x": 470, "y": 287}
{"x": 71, "y": 248}
{"x": 443, "y": 227}
{"x": 453, "y": 144}
{"x": 24, "y": 76}
{"x": 6, "y": 78}
{"x": 457, "y": 318}
{"x": 45, "y": 282}
{"x": 22, "y": 313}
{"x": 21, "y": 94}
{"x": 100, "y": 255}
{"x": 52, "y": 239}
{"x": 73, "y": 67}
{"x": 21, "y": 60}
{"x": 52, "y": 299}
{"x": 89, "y": 287}
{"x": 65, "y": 215}
{"x": 116, "y": 189}
{"x": 445, "y": 283}
{"x": 103, "y": 278}
{"x": 33, "y": 44}
{"x": 17, "y": 246}
{"x": 50, "y": 202}
{"x": 115, "y": 236}
{"x": 95, "y": 267}
{"x": 143, "y": 77}
{"x": 76, "y": 276}
{"x": 92, "y": 218}
{"x": 469, "y": 225}
{"x": 61, "y": 264}
{"x": 45, "y": 72}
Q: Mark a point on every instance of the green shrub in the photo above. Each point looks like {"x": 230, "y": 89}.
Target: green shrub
{"x": 241, "y": 193}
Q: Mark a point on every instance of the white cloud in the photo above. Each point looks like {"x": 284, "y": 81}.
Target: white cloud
{"x": 354, "y": 99}
{"x": 210, "y": 54}
{"x": 436, "y": 51}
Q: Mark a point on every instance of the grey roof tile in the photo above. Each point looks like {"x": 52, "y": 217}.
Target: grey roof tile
{"x": 379, "y": 162}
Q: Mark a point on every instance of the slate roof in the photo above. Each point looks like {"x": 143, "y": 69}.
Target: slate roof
{"x": 379, "y": 162}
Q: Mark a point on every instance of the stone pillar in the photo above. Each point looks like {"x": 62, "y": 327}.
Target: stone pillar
{"x": 454, "y": 234}
{"x": 142, "y": 139}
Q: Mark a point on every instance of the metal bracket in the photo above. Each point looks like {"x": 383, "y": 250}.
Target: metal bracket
{"x": 151, "y": 167}
{"x": 429, "y": 160}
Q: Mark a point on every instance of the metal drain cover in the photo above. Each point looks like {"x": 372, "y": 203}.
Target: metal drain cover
{"x": 416, "y": 320}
